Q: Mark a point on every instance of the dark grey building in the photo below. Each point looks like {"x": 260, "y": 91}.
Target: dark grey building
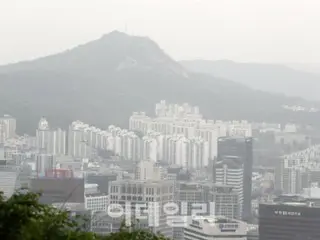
{"x": 289, "y": 221}
{"x": 236, "y": 155}
{"x": 102, "y": 180}
{"x": 57, "y": 190}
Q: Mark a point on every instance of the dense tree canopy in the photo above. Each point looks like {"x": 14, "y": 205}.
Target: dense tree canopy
{"x": 23, "y": 217}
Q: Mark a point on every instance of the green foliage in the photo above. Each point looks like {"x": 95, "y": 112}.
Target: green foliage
{"x": 22, "y": 217}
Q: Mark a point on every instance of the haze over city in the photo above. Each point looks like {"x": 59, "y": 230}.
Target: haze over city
{"x": 248, "y": 30}
{"x": 167, "y": 120}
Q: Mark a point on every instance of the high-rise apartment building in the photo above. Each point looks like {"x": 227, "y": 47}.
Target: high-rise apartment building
{"x": 188, "y": 153}
{"x": 44, "y": 162}
{"x": 50, "y": 141}
{"x": 149, "y": 148}
{"x": 291, "y": 176}
{"x": 234, "y": 167}
{"x": 84, "y": 141}
{"x": 186, "y": 120}
{"x": 147, "y": 170}
{"x": 8, "y": 127}
{"x": 78, "y": 146}
{"x": 298, "y": 170}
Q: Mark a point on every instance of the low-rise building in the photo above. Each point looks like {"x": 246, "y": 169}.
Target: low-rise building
{"x": 203, "y": 228}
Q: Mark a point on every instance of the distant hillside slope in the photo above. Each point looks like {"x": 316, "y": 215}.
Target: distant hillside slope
{"x": 313, "y": 68}
{"x": 265, "y": 77}
{"x": 104, "y": 81}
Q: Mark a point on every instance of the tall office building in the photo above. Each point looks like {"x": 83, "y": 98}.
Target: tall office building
{"x": 230, "y": 172}
{"x": 220, "y": 200}
{"x": 50, "y": 141}
{"x": 189, "y": 193}
{"x": 234, "y": 167}
{"x": 289, "y": 221}
{"x": 226, "y": 201}
{"x": 154, "y": 193}
{"x": 149, "y": 189}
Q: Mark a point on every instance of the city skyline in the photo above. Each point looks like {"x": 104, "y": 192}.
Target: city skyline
{"x": 201, "y": 161}
{"x": 160, "y": 119}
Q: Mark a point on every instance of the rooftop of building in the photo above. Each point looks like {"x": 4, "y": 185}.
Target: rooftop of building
{"x": 214, "y": 220}
{"x": 56, "y": 178}
{"x": 91, "y": 185}
{"x": 235, "y": 138}
{"x": 70, "y": 206}
{"x": 149, "y": 181}
{"x": 6, "y": 116}
{"x": 293, "y": 200}
{"x": 96, "y": 194}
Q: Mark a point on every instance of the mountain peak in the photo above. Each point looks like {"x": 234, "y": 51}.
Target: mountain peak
{"x": 113, "y": 52}
{"x": 102, "y": 82}
{"x": 115, "y": 34}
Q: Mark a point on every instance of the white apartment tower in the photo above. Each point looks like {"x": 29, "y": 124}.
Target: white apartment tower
{"x": 188, "y": 153}
{"x": 186, "y": 120}
{"x": 77, "y": 140}
{"x": 291, "y": 175}
{"x": 44, "y": 162}
{"x": 149, "y": 147}
{"x": 8, "y": 127}
{"x": 146, "y": 170}
{"x": 50, "y": 141}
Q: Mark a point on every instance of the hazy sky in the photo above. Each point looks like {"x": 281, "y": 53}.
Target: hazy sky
{"x": 242, "y": 30}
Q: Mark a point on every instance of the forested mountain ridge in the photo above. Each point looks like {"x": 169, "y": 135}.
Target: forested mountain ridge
{"x": 104, "y": 81}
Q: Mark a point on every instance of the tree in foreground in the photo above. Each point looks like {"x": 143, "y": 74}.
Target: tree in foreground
{"x": 22, "y": 217}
